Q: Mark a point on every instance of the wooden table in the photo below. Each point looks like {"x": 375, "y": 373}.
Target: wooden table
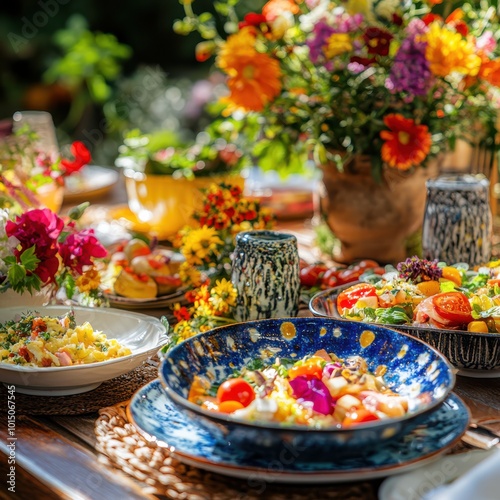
{"x": 56, "y": 456}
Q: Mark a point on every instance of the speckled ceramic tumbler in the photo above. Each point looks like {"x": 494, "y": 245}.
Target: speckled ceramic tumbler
{"x": 266, "y": 275}
{"x": 458, "y": 222}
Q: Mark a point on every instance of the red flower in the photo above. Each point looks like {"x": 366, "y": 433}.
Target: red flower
{"x": 182, "y": 314}
{"x": 252, "y": 19}
{"x": 377, "y": 41}
{"x": 364, "y": 61}
{"x": 430, "y": 18}
{"x": 81, "y": 157}
{"x": 455, "y": 19}
{"x": 40, "y": 229}
{"x": 79, "y": 248}
{"x": 406, "y": 143}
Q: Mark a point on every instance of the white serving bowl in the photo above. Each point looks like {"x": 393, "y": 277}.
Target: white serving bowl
{"x": 143, "y": 334}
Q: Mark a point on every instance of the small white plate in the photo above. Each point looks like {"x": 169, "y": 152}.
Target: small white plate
{"x": 88, "y": 183}
{"x": 144, "y": 335}
{"x": 418, "y": 484}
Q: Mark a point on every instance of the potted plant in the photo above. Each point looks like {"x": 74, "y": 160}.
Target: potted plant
{"x": 372, "y": 91}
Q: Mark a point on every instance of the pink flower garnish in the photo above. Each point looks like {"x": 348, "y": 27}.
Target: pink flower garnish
{"x": 312, "y": 390}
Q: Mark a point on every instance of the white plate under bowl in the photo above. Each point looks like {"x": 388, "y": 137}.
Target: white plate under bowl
{"x": 143, "y": 334}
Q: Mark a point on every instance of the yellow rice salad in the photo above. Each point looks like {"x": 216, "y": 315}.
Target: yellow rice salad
{"x": 44, "y": 341}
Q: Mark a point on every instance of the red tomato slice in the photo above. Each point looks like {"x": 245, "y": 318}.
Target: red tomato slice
{"x": 453, "y": 306}
{"x": 358, "y": 417}
{"x": 348, "y": 298}
{"x": 236, "y": 389}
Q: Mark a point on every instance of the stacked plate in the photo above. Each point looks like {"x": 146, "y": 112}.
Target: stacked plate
{"x": 271, "y": 452}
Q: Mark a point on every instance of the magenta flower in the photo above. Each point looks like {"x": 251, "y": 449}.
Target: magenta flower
{"x": 312, "y": 390}
{"x": 40, "y": 229}
{"x": 79, "y": 249}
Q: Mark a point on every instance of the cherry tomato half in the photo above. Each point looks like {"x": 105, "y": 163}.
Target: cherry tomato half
{"x": 358, "y": 417}
{"x": 348, "y": 298}
{"x": 453, "y": 306}
{"x": 236, "y": 389}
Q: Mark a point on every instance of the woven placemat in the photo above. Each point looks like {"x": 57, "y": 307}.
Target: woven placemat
{"x": 124, "y": 448}
{"x": 108, "y": 393}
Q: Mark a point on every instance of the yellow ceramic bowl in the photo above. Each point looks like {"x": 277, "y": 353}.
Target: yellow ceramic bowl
{"x": 166, "y": 204}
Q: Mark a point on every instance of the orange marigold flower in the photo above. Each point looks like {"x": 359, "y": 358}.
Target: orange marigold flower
{"x": 406, "y": 143}
{"x": 254, "y": 78}
{"x": 447, "y": 52}
{"x": 275, "y": 8}
{"x": 490, "y": 71}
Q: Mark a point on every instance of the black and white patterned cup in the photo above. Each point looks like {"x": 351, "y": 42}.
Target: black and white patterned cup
{"x": 458, "y": 222}
{"x": 265, "y": 273}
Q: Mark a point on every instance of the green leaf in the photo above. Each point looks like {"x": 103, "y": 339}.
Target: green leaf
{"x": 29, "y": 260}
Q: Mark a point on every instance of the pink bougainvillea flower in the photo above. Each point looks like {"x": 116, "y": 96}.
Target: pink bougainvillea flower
{"x": 39, "y": 228}
{"x": 80, "y": 248}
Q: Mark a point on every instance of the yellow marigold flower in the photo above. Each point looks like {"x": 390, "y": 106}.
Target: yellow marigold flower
{"x": 202, "y": 294}
{"x": 254, "y": 78}
{"x": 223, "y": 296}
{"x": 200, "y": 244}
{"x": 203, "y": 309}
{"x": 88, "y": 281}
{"x": 190, "y": 274}
{"x": 447, "y": 51}
{"x": 184, "y": 330}
{"x": 337, "y": 44}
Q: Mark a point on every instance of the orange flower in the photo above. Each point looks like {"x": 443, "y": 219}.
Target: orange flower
{"x": 448, "y": 51}
{"x": 490, "y": 71}
{"x": 406, "y": 143}
{"x": 254, "y": 78}
{"x": 275, "y": 8}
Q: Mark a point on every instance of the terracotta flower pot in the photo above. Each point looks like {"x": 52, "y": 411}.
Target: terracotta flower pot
{"x": 373, "y": 220}
{"x": 165, "y": 203}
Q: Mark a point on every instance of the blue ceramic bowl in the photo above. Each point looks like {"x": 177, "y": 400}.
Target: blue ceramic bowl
{"x": 474, "y": 354}
{"x": 413, "y": 368}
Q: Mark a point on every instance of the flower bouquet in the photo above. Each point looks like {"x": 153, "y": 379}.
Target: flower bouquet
{"x": 395, "y": 81}
{"x": 207, "y": 247}
{"x": 41, "y": 251}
